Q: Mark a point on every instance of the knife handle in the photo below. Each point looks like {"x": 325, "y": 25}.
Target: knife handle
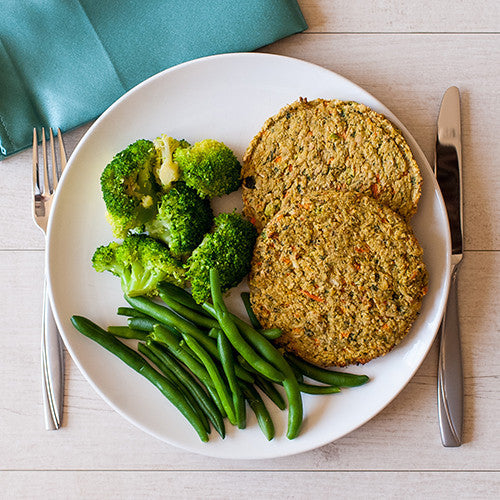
{"x": 450, "y": 372}
{"x": 52, "y": 368}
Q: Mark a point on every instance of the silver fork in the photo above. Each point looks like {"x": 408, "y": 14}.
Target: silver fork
{"x": 45, "y": 179}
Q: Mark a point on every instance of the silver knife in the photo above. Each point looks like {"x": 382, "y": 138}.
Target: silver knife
{"x": 448, "y": 169}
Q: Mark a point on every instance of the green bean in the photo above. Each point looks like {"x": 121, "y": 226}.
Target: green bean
{"x": 207, "y": 404}
{"x": 226, "y": 323}
{"x": 245, "y": 297}
{"x": 164, "y": 336}
{"x": 181, "y": 296}
{"x": 129, "y": 311}
{"x": 187, "y": 313}
{"x": 173, "y": 320}
{"x": 145, "y": 324}
{"x": 213, "y": 371}
{"x": 125, "y": 332}
{"x": 318, "y": 389}
{"x": 339, "y": 379}
{"x": 290, "y": 384}
{"x": 298, "y": 374}
{"x": 145, "y": 351}
{"x": 271, "y": 333}
{"x": 271, "y": 392}
{"x": 213, "y": 332}
{"x": 259, "y": 408}
{"x": 227, "y": 360}
{"x": 139, "y": 364}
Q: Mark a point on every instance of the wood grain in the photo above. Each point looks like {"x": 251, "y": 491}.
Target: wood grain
{"x": 400, "y": 16}
{"x": 266, "y": 485}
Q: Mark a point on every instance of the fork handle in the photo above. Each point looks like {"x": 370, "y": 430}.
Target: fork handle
{"x": 52, "y": 367}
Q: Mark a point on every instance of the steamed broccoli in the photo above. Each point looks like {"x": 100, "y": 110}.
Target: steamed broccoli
{"x": 166, "y": 169}
{"x": 210, "y": 167}
{"x": 182, "y": 221}
{"x": 129, "y": 187}
{"x": 228, "y": 249}
{"x": 141, "y": 263}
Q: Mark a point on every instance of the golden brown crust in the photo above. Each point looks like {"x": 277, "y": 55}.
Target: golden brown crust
{"x": 328, "y": 144}
{"x": 341, "y": 274}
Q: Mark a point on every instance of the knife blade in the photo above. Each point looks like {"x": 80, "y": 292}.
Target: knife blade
{"x": 448, "y": 170}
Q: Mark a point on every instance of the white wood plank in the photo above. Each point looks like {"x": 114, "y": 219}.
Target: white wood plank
{"x": 246, "y": 485}
{"x": 402, "y": 16}
{"x": 404, "y": 436}
{"x": 409, "y": 74}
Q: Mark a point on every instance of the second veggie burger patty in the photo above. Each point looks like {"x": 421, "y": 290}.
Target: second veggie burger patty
{"x": 341, "y": 274}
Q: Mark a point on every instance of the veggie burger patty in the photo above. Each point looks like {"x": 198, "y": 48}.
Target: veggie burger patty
{"x": 328, "y": 144}
{"x": 341, "y": 274}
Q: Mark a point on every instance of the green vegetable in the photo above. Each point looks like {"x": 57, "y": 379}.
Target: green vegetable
{"x": 173, "y": 320}
{"x": 228, "y": 249}
{"x": 271, "y": 333}
{"x": 318, "y": 389}
{"x": 182, "y": 220}
{"x": 245, "y": 297}
{"x": 228, "y": 365}
{"x": 270, "y": 391}
{"x": 172, "y": 377}
{"x": 217, "y": 379}
{"x": 145, "y": 324}
{"x": 181, "y": 325}
{"x": 339, "y": 379}
{"x": 227, "y": 325}
{"x": 129, "y": 311}
{"x": 140, "y": 365}
{"x": 141, "y": 263}
{"x": 167, "y": 338}
{"x": 259, "y": 408}
{"x": 181, "y": 296}
{"x": 207, "y": 404}
{"x": 290, "y": 384}
{"x": 210, "y": 167}
{"x": 166, "y": 169}
{"x": 198, "y": 319}
{"x": 129, "y": 188}
{"x": 126, "y": 332}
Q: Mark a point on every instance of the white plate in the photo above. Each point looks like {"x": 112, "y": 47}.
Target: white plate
{"x": 226, "y": 97}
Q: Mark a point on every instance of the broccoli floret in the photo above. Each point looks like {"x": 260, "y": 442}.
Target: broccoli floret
{"x": 129, "y": 187}
{"x": 166, "y": 169}
{"x": 182, "y": 221}
{"x": 141, "y": 262}
{"x": 228, "y": 249}
{"x": 210, "y": 167}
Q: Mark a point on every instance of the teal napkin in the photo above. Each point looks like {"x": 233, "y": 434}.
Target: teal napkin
{"x": 63, "y": 62}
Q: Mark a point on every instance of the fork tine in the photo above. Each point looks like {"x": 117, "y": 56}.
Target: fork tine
{"x": 36, "y": 178}
{"x": 62, "y": 151}
{"x": 46, "y": 188}
{"x": 55, "y": 175}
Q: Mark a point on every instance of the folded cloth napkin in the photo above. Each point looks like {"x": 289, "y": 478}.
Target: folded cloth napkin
{"x": 62, "y": 63}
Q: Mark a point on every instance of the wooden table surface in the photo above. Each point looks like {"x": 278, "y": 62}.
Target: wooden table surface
{"x": 406, "y": 54}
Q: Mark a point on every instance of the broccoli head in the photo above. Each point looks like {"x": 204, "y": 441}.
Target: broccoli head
{"x": 210, "y": 167}
{"x": 183, "y": 219}
{"x": 141, "y": 262}
{"x": 166, "y": 169}
{"x": 228, "y": 249}
{"x": 129, "y": 187}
